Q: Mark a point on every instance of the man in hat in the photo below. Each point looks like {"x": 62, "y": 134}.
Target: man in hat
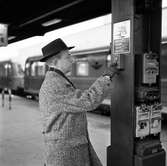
{"x": 64, "y": 110}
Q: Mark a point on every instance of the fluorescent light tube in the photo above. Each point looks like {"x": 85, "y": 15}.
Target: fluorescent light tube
{"x": 51, "y": 22}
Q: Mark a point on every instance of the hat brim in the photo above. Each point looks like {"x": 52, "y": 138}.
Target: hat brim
{"x": 69, "y": 48}
{"x": 43, "y": 59}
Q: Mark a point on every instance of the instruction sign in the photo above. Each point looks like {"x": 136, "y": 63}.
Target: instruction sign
{"x": 121, "y": 37}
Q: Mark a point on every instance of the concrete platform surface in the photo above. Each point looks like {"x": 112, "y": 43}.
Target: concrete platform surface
{"x": 21, "y": 141}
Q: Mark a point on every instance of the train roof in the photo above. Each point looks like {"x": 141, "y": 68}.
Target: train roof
{"x": 105, "y": 49}
{"x": 33, "y": 58}
{"x": 5, "y": 61}
{"x": 8, "y": 61}
{"x": 76, "y": 53}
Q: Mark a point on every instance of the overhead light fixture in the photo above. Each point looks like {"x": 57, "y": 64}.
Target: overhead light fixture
{"x": 11, "y": 37}
{"x": 61, "y": 8}
{"x": 51, "y": 22}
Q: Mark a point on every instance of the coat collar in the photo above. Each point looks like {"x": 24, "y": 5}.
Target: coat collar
{"x": 62, "y": 74}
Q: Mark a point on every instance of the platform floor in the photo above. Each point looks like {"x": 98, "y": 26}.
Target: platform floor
{"x": 21, "y": 142}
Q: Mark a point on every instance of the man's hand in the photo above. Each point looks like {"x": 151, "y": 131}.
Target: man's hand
{"x": 111, "y": 72}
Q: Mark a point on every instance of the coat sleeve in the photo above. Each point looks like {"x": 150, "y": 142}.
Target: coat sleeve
{"x": 79, "y": 101}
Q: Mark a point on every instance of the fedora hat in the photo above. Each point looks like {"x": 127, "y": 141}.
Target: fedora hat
{"x": 53, "y": 48}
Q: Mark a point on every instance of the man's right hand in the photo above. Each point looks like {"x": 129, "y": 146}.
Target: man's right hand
{"x": 112, "y": 71}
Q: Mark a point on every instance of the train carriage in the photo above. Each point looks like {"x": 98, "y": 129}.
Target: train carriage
{"x": 11, "y": 76}
{"x": 34, "y": 75}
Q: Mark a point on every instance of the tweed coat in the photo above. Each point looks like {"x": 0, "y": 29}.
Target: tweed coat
{"x": 64, "y": 120}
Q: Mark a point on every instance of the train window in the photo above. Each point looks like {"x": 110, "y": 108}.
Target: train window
{"x": 27, "y": 68}
{"x": 41, "y": 68}
{"x": 109, "y": 57}
{"x": 19, "y": 69}
{"x": 2, "y": 71}
{"x": 8, "y": 69}
{"x": 108, "y": 60}
{"x": 82, "y": 69}
{"x": 33, "y": 69}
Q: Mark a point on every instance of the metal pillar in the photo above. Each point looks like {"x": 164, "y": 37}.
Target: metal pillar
{"x": 136, "y": 39}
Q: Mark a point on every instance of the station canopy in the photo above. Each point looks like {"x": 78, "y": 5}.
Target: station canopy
{"x": 34, "y": 18}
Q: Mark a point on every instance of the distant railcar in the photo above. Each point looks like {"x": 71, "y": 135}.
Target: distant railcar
{"x": 11, "y": 76}
{"x": 34, "y": 75}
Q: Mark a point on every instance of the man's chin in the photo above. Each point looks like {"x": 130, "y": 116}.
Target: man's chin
{"x": 68, "y": 73}
{"x": 68, "y": 70}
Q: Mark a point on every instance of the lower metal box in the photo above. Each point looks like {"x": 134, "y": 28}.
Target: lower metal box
{"x": 156, "y": 159}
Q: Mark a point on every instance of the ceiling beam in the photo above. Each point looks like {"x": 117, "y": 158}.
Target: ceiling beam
{"x": 51, "y": 13}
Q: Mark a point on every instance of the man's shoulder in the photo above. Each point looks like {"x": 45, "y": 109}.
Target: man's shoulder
{"x": 50, "y": 75}
{"x": 53, "y": 79}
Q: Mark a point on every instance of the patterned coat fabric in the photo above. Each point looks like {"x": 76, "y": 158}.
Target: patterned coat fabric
{"x": 64, "y": 120}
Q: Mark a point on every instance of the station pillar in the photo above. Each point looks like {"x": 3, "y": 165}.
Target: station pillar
{"x": 135, "y": 96}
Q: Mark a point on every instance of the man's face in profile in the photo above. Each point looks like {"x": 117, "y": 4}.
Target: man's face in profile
{"x": 66, "y": 61}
